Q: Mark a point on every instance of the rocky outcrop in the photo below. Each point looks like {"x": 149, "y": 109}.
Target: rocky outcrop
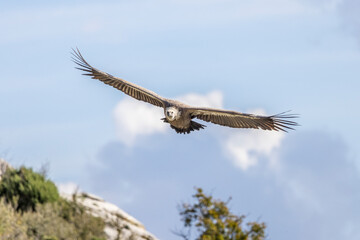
{"x": 119, "y": 224}
{"x": 3, "y": 166}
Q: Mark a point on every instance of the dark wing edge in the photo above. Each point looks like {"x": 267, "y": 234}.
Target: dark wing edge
{"x": 128, "y": 88}
{"x": 282, "y": 122}
{"x": 278, "y": 122}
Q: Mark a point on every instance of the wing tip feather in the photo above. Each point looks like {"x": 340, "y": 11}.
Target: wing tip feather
{"x": 281, "y": 121}
{"x": 78, "y": 59}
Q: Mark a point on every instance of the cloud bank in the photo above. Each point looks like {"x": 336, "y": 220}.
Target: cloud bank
{"x": 98, "y": 20}
{"x": 134, "y": 119}
{"x": 246, "y": 147}
{"x": 68, "y": 188}
{"x": 349, "y": 14}
{"x": 312, "y": 193}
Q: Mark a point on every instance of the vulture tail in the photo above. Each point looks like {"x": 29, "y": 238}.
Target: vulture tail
{"x": 193, "y": 126}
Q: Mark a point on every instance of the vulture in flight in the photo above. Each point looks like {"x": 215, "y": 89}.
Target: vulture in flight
{"x": 179, "y": 115}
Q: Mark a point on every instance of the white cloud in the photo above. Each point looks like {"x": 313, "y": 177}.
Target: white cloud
{"x": 301, "y": 193}
{"x": 246, "y": 146}
{"x": 93, "y": 26}
{"x": 129, "y": 17}
{"x": 323, "y": 4}
{"x": 349, "y": 14}
{"x": 212, "y": 99}
{"x": 134, "y": 118}
{"x": 68, "y": 188}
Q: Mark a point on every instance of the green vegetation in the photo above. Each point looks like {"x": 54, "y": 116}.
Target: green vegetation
{"x": 63, "y": 220}
{"x": 31, "y": 209}
{"x": 24, "y": 189}
{"x": 11, "y": 224}
{"x": 86, "y": 225}
{"x": 213, "y": 220}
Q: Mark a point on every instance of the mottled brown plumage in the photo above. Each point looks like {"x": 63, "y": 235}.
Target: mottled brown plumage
{"x": 180, "y": 115}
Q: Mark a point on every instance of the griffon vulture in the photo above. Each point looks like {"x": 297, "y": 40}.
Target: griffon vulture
{"x": 180, "y": 115}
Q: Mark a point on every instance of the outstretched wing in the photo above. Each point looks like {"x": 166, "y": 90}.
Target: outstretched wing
{"x": 242, "y": 120}
{"x": 128, "y": 88}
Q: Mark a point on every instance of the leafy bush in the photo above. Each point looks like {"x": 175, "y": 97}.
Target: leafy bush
{"x": 11, "y": 225}
{"x": 24, "y": 189}
{"x": 47, "y": 223}
{"x": 51, "y": 218}
{"x": 214, "y": 221}
{"x": 87, "y": 226}
{"x": 63, "y": 220}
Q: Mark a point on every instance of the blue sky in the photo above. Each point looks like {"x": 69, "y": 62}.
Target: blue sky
{"x": 253, "y": 56}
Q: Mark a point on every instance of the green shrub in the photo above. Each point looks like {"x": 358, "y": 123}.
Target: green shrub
{"x": 47, "y": 224}
{"x": 49, "y": 238}
{"x": 11, "y": 224}
{"x": 51, "y": 218}
{"x": 87, "y": 226}
{"x": 62, "y": 220}
{"x": 213, "y": 220}
{"x": 24, "y": 189}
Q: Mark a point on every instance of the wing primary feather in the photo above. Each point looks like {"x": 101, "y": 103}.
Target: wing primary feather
{"x": 128, "y": 88}
{"x": 278, "y": 122}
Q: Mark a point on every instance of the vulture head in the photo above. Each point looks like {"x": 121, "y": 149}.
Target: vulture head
{"x": 172, "y": 113}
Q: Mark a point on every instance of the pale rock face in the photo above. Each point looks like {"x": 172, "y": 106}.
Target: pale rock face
{"x": 3, "y": 166}
{"x": 119, "y": 224}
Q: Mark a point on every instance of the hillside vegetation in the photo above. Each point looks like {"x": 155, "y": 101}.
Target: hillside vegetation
{"x": 31, "y": 209}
